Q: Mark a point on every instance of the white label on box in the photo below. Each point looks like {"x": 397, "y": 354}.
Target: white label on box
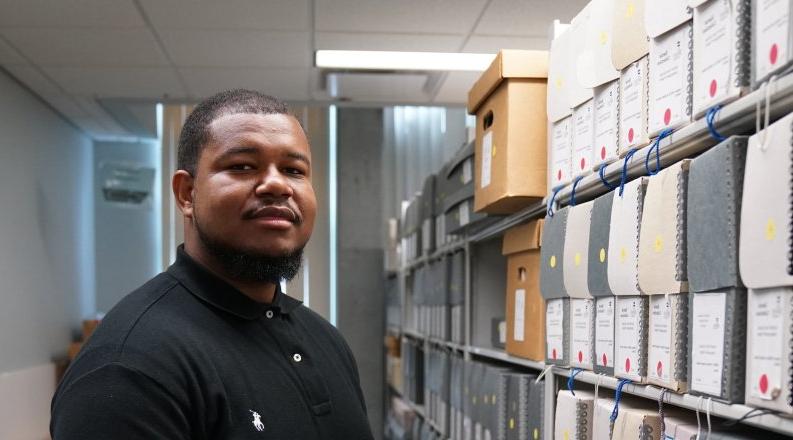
{"x": 627, "y": 341}
{"x": 561, "y": 152}
{"x": 606, "y": 114}
{"x": 766, "y": 309}
{"x": 632, "y": 96}
{"x": 502, "y": 332}
{"x": 660, "y": 348}
{"x": 464, "y": 216}
{"x": 520, "y": 313}
{"x": 487, "y": 158}
{"x": 581, "y": 332}
{"x": 604, "y": 332}
{"x": 669, "y": 79}
{"x": 713, "y": 52}
{"x": 554, "y": 329}
{"x": 583, "y": 120}
{"x": 707, "y": 342}
{"x": 467, "y": 173}
{"x": 773, "y": 27}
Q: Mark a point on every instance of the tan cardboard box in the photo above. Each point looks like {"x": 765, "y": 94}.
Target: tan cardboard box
{"x": 509, "y": 102}
{"x": 525, "y": 305}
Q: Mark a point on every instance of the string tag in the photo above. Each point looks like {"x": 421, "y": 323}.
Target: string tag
{"x": 571, "y": 380}
{"x": 762, "y": 131}
{"x": 543, "y": 373}
{"x": 710, "y": 117}
{"x": 552, "y": 201}
{"x": 624, "y": 177}
{"x": 617, "y": 396}
{"x": 699, "y": 424}
{"x": 603, "y": 178}
{"x": 572, "y": 193}
{"x": 657, "y": 147}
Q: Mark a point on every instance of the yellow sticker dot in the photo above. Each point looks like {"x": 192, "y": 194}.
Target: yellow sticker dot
{"x": 511, "y": 423}
{"x": 559, "y": 83}
{"x": 493, "y": 151}
{"x": 577, "y": 259}
{"x": 536, "y": 434}
{"x": 552, "y": 262}
{"x": 604, "y": 38}
{"x": 566, "y": 435}
{"x": 630, "y": 10}
{"x": 659, "y": 244}
{"x": 623, "y": 255}
{"x": 493, "y": 399}
{"x": 770, "y": 229}
{"x": 602, "y": 255}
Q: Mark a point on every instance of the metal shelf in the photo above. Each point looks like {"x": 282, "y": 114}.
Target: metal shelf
{"x": 504, "y": 357}
{"x": 771, "y": 422}
{"x": 532, "y": 211}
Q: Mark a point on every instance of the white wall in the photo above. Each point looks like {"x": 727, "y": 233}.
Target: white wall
{"x": 128, "y": 248}
{"x": 46, "y": 229}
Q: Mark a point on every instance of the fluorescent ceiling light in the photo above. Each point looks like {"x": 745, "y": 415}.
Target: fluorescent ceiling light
{"x": 392, "y": 60}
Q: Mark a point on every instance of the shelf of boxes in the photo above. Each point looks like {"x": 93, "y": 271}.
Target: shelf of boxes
{"x": 500, "y": 355}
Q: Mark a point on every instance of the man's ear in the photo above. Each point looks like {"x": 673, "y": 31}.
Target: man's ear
{"x": 182, "y": 184}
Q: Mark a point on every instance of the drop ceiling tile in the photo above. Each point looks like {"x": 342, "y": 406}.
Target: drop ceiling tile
{"x": 69, "y": 13}
{"x": 287, "y": 84}
{"x": 405, "y": 16}
{"x": 386, "y": 88}
{"x": 113, "y": 82}
{"x": 9, "y": 56}
{"x": 216, "y": 48}
{"x": 229, "y": 14}
{"x": 526, "y": 17}
{"x": 454, "y": 89}
{"x": 87, "y": 47}
{"x": 34, "y": 79}
{"x": 378, "y": 41}
{"x": 479, "y": 44}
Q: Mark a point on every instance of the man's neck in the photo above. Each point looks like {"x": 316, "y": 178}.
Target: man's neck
{"x": 262, "y": 292}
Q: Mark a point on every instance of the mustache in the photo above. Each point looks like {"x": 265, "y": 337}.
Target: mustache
{"x": 274, "y": 210}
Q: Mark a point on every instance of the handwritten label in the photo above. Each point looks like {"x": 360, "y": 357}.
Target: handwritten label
{"x": 707, "y": 342}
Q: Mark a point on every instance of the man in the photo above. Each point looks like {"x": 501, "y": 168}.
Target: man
{"x": 211, "y": 348}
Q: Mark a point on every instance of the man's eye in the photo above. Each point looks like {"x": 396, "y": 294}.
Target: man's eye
{"x": 240, "y": 167}
{"x": 294, "y": 171}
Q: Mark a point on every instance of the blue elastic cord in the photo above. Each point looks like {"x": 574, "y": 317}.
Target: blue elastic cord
{"x": 710, "y": 116}
{"x": 624, "y": 177}
{"x": 657, "y": 147}
{"x": 617, "y": 396}
{"x": 603, "y": 178}
{"x": 553, "y": 199}
{"x": 572, "y": 194}
{"x": 571, "y": 379}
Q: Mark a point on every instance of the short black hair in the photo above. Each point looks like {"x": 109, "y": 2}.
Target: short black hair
{"x": 195, "y": 132}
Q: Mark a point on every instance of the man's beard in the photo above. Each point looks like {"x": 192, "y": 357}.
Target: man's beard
{"x": 246, "y": 266}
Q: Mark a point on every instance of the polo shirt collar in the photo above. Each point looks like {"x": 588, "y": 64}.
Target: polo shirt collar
{"x": 210, "y": 288}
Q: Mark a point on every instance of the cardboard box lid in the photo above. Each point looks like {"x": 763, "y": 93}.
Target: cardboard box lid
{"x": 630, "y": 36}
{"x": 509, "y": 63}
{"x": 561, "y": 69}
{"x": 595, "y": 59}
{"x": 661, "y": 16}
{"x": 525, "y": 237}
{"x": 579, "y": 92}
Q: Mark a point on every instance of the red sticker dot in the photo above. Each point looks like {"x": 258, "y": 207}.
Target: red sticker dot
{"x": 763, "y": 384}
{"x": 583, "y": 163}
{"x": 580, "y": 357}
{"x": 627, "y": 365}
{"x": 667, "y": 116}
{"x": 603, "y": 152}
{"x": 630, "y": 135}
{"x": 659, "y": 368}
{"x": 774, "y": 55}
{"x": 559, "y": 175}
{"x": 605, "y": 360}
{"x": 553, "y": 354}
{"x": 713, "y": 88}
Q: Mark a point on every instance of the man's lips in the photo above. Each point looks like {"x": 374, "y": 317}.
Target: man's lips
{"x": 274, "y": 215}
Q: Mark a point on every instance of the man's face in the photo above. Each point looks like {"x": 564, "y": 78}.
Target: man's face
{"x": 252, "y": 190}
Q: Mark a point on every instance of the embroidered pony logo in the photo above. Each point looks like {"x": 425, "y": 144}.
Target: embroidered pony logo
{"x": 257, "y": 421}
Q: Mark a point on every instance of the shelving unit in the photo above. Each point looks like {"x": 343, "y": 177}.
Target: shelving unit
{"x": 736, "y": 118}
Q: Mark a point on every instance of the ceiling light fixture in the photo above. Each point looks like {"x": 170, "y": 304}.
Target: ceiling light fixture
{"x": 393, "y": 60}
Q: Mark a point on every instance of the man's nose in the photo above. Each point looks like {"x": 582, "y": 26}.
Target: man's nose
{"x": 274, "y": 184}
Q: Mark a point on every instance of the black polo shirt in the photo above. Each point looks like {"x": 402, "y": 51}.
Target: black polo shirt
{"x": 187, "y": 356}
